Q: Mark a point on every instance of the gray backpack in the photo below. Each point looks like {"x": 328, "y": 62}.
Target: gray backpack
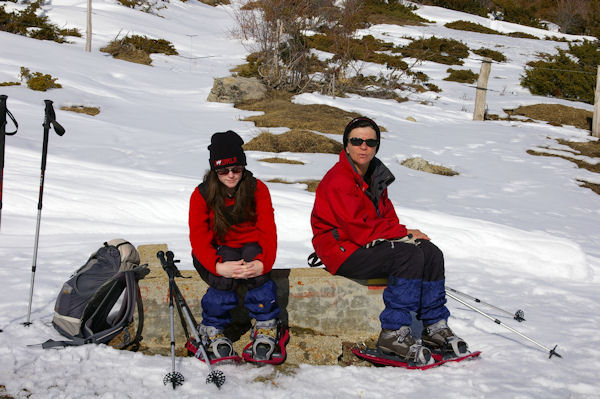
{"x": 97, "y": 303}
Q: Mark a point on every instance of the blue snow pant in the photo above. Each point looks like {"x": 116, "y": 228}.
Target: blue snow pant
{"x": 415, "y": 280}
{"x": 220, "y": 297}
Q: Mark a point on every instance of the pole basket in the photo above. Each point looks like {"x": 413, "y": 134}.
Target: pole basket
{"x": 175, "y": 378}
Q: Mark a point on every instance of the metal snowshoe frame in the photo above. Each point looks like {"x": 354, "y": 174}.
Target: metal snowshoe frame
{"x": 176, "y": 299}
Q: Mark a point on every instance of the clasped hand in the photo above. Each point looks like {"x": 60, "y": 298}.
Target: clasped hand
{"x": 240, "y": 269}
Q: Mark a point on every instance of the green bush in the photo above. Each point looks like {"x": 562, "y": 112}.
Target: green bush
{"x": 493, "y": 54}
{"x": 469, "y": 6}
{"x": 461, "y": 75}
{"x": 138, "y": 48}
{"x": 39, "y": 81}
{"x": 28, "y": 23}
{"x": 390, "y": 12}
{"x": 472, "y": 27}
{"x": 563, "y": 76}
{"x": 150, "y": 46}
{"x": 443, "y": 51}
{"x": 522, "y": 35}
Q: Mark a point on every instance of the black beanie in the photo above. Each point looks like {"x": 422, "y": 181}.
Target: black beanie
{"x": 361, "y": 121}
{"x": 226, "y": 150}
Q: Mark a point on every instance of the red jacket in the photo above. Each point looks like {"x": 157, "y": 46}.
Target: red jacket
{"x": 344, "y": 218}
{"x": 204, "y": 241}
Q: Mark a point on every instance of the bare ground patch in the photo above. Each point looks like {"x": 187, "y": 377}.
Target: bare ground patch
{"x": 296, "y": 140}
{"x": 281, "y": 160}
{"x": 279, "y": 111}
{"x": 555, "y": 114}
{"x": 589, "y": 149}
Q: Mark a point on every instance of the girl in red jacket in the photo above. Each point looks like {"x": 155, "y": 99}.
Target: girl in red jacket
{"x": 234, "y": 240}
{"x": 358, "y": 235}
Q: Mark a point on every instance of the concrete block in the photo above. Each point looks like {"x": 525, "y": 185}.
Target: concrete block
{"x": 313, "y": 303}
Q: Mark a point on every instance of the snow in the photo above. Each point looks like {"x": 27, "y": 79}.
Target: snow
{"x": 517, "y": 230}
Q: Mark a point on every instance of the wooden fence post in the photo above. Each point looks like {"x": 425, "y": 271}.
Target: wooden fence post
{"x": 88, "y": 27}
{"x": 596, "y": 117}
{"x": 484, "y": 74}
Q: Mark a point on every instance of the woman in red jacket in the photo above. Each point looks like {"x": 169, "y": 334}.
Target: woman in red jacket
{"x": 358, "y": 235}
{"x": 234, "y": 240}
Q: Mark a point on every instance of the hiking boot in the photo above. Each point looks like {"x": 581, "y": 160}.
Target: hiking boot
{"x": 400, "y": 343}
{"x": 440, "y": 338}
{"x": 216, "y": 343}
{"x": 265, "y": 336}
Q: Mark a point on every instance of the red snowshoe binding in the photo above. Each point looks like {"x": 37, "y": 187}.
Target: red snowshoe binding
{"x": 269, "y": 339}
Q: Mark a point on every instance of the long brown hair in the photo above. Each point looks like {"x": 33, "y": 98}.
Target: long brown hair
{"x": 243, "y": 210}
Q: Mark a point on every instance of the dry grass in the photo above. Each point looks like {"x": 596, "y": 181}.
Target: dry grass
{"x": 93, "y": 111}
{"x": 589, "y": 149}
{"x": 127, "y": 52}
{"x": 296, "y": 140}
{"x": 281, "y": 160}
{"x": 311, "y": 185}
{"x": 556, "y": 114}
{"x": 281, "y": 112}
{"x": 10, "y": 83}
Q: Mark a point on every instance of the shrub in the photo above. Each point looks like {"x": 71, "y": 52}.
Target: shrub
{"x": 10, "y": 83}
{"x": 39, "y": 81}
{"x": 461, "y": 75}
{"x": 138, "y": 48}
{"x": 27, "y": 23}
{"x": 472, "y": 27}
{"x": 391, "y": 12}
{"x": 522, "y": 35}
{"x": 563, "y": 77}
{"x": 493, "y": 54}
{"x": 443, "y": 51}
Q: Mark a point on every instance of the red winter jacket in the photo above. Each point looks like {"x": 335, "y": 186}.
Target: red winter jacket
{"x": 344, "y": 218}
{"x": 204, "y": 241}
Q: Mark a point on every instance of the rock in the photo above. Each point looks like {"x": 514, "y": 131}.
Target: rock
{"x": 236, "y": 89}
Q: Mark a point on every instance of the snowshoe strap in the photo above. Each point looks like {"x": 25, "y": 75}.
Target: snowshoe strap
{"x": 61, "y": 344}
{"x": 313, "y": 260}
{"x": 219, "y": 342}
{"x": 459, "y": 347}
{"x": 265, "y": 340}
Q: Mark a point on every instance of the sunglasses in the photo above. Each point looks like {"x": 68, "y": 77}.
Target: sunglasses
{"x": 357, "y": 141}
{"x": 225, "y": 171}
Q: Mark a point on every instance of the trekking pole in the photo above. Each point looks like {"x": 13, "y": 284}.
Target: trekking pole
{"x": 173, "y": 377}
{"x": 519, "y": 315}
{"x": 3, "y": 133}
{"x": 214, "y": 376}
{"x": 552, "y": 351}
{"x": 49, "y": 121}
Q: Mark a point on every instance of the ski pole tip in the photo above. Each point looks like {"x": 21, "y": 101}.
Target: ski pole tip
{"x": 519, "y": 316}
{"x": 554, "y": 353}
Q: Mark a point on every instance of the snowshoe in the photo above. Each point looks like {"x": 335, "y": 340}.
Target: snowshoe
{"x": 378, "y": 358}
{"x": 217, "y": 346}
{"x": 269, "y": 339}
{"x": 440, "y": 339}
{"x": 400, "y": 345}
{"x": 193, "y": 347}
